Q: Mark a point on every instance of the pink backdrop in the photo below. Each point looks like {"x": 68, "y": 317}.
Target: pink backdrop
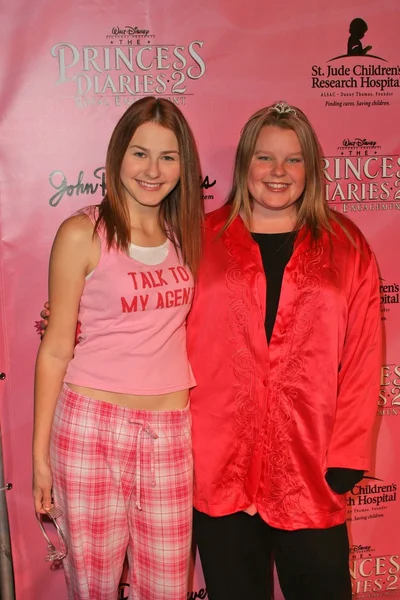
{"x": 68, "y": 70}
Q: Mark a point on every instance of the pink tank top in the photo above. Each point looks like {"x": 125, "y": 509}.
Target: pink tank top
{"x": 133, "y": 326}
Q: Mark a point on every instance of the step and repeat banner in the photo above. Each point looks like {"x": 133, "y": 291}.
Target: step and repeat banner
{"x": 68, "y": 70}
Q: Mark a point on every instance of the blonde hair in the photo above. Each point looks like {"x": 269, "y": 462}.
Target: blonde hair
{"x": 313, "y": 211}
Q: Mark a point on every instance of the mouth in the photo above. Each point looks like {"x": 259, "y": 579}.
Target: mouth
{"x": 276, "y": 187}
{"x": 151, "y": 187}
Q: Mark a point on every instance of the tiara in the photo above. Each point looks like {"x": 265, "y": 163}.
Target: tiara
{"x": 282, "y": 108}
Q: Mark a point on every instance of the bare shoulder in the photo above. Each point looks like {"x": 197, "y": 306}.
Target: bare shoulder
{"x": 76, "y": 229}
{"x": 75, "y": 246}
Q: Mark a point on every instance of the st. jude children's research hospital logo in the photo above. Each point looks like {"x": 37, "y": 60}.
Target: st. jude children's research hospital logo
{"x": 129, "y": 66}
{"x": 357, "y": 78}
{"x": 369, "y": 498}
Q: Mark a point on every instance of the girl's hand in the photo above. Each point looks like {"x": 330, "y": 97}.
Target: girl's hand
{"x": 45, "y": 313}
{"x": 42, "y": 484}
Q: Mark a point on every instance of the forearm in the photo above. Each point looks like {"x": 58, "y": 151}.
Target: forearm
{"x": 49, "y": 375}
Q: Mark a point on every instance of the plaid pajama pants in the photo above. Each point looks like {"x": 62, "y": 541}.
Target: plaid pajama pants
{"x": 123, "y": 479}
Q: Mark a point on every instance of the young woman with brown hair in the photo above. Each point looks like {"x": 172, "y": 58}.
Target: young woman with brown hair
{"x": 112, "y": 432}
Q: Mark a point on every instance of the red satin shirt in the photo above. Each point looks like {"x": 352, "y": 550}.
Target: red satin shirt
{"x": 269, "y": 420}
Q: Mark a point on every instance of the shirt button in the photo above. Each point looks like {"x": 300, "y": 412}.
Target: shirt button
{"x": 264, "y": 382}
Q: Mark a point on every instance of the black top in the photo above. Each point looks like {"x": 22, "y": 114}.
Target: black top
{"x": 276, "y": 250}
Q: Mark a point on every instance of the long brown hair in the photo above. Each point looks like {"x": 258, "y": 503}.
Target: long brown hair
{"x": 181, "y": 211}
{"x": 313, "y": 212}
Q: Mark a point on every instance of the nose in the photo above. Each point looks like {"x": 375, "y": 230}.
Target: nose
{"x": 278, "y": 168}
{"x": 152, "y": 168}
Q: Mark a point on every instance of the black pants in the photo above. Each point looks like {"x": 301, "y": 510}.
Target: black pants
{"x": 237, "y": 551}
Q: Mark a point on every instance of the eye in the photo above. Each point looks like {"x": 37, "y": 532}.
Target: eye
{"x": 139, "y": 154}
{"x": 294, "y": 160}
{"x": 264, "y": 157}
{"x": 168, "y": 158}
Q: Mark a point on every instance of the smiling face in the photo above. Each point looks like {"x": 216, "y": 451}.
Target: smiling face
{"x": 151, "y": 166}
{"x": 276, "y": 178}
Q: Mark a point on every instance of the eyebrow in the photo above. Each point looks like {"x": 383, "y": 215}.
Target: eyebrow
{"x": 147, "y": 150}
{"x": 267, "y": 151}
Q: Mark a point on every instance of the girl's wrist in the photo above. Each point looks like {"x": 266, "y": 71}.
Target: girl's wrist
{"x": 40, "y": 457}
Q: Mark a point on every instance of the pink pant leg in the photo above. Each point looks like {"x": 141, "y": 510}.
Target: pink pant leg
{"x": 86, "y": 472}
{"x": 161, "y": 532}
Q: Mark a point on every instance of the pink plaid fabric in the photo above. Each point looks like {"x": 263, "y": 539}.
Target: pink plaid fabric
{"x": 123, "y": 479}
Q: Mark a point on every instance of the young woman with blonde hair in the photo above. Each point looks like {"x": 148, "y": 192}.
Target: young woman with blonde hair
{"x": 287, "y": 390}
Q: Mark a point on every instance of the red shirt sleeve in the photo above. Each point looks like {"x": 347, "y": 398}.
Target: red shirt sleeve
{"x": 359, "y": 375}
